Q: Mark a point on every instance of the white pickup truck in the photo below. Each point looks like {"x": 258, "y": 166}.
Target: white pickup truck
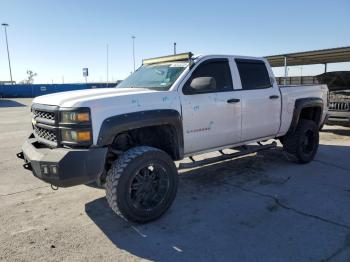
{"x": 127, "y": 138}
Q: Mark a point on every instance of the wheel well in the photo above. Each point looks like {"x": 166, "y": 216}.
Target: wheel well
{"x": 311, "y": 113}
{"x": 163, "y": 137}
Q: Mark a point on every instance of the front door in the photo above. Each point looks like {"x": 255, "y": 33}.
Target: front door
{"x": 211, "y": 119}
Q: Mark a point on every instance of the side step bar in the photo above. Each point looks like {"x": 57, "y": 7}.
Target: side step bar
{"x": 224, "y": 156}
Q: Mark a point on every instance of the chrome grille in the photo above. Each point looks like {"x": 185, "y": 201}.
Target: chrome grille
{"x": 339, "y": 106}
{"x": 43, "y": 114}
{"x": 44, "y": 124}
{"x": 45, "y": 133}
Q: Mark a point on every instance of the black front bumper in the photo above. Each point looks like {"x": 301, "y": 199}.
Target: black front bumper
{"x": 63, "y": 167}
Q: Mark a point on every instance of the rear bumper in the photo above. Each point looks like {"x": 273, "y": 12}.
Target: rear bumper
{"x": 63, "y": 167}
{"x": 340, "y": 118}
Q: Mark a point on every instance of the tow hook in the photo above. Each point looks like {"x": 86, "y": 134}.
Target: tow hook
{"x": 28, "y": 166}
{"x": 20, "y": 155}
{"x": 55, "y": 188}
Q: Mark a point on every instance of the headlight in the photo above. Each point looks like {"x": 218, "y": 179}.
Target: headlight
{"x": 75, "y": 126}
{"x": 75, "y": 136}
{"x": 72, "y": 117}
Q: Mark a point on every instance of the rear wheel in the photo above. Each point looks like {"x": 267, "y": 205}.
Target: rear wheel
{"x": 142, "y": 184}
{"x": 303, "y": 143}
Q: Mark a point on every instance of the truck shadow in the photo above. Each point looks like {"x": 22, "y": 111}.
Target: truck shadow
{"x": 208, "y": 220}
{"x": 340, "y": 131}
{"x": 194, "y": 214}
{"x": 10, "y": 103}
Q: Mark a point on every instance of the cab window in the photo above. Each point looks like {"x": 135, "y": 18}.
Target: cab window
{"x": 253, "y": 74}
{"x": 218, "y": 69}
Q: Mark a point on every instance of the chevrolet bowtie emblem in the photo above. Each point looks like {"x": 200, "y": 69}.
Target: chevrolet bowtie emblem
{"x": 33, "y": 121}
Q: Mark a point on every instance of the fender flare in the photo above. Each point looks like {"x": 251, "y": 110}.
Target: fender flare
{"x": 302, "y": 103}
{"x": 120, "y": 123}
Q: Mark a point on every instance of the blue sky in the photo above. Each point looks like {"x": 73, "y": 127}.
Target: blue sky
{"x": 57, "y": 39}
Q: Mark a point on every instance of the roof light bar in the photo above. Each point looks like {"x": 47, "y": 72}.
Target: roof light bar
{"x": 169, "y": 58}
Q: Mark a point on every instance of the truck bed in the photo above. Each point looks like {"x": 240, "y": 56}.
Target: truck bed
{"x": 290, "y": 93}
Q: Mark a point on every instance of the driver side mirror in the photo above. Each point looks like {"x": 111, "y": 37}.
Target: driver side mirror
{"x": 203, "y": 84}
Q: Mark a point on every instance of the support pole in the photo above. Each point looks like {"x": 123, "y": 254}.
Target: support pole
{"x": 285, "y": 71}
{"x": 107, "y": 65}
{"x": 325, "y": 67}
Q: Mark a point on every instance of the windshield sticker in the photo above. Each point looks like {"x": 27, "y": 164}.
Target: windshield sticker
{"x": 179, "y": 65}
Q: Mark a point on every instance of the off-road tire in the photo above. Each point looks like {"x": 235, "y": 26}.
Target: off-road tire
{"x": 295, "y": 143}
{"x": 119, "y": 179}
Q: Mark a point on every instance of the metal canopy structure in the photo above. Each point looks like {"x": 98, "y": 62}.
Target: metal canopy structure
{"x": 325, "y": 56}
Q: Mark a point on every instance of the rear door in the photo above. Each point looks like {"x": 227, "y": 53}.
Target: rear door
{"x": 211, "y": 119}
{"x": 261, "y": 100}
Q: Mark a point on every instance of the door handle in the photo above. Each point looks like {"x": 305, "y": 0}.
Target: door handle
{"x": 233, "y": 100}
{"x": 274, "y": 97}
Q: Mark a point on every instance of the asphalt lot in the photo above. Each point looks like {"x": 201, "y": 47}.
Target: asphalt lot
{"x": 258, "y": 208}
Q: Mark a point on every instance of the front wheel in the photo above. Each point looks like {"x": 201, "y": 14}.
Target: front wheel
{"x": 303, "y": 143}
{"x": 142, "y": 184}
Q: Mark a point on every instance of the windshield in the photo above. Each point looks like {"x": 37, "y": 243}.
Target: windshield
{"x": 157, "y": 76}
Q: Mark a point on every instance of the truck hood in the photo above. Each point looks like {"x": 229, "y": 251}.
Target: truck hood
{"x": 84, "y": 97}
{"x": 109, "y": 102}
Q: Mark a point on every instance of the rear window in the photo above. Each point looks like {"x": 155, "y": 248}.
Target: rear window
{"x": 253, "y": 74}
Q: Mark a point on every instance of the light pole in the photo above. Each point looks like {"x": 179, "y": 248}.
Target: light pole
{"x": 174, "y": 48}
{"x": 8, "y": 53}
{"x": 133, "y": 49}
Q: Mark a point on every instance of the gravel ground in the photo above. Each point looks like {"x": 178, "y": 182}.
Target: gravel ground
{"x": 258, "y": 208}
